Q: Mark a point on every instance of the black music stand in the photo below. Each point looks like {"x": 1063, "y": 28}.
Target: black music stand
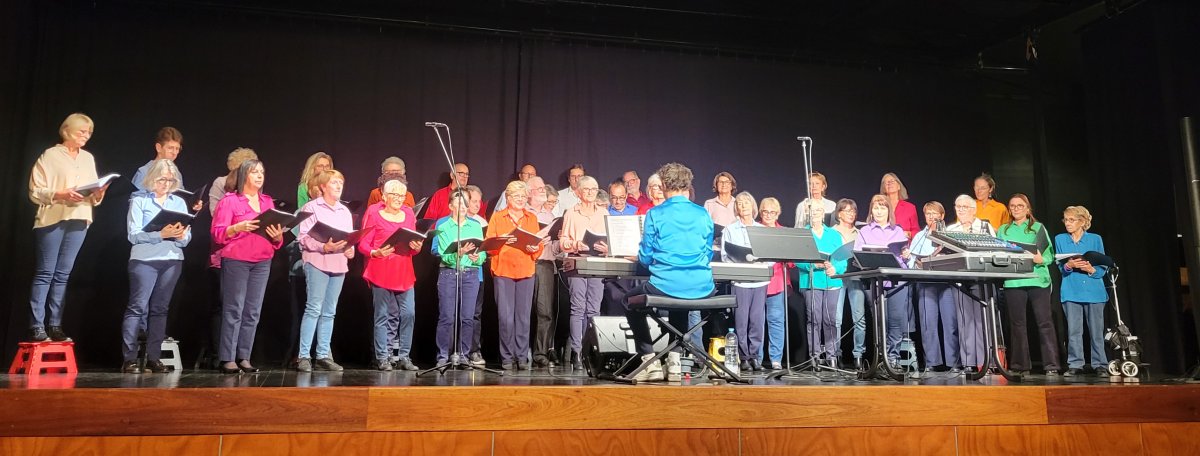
{"x": 793, "y": 245}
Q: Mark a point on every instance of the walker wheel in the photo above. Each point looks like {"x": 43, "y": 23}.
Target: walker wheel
{"x": 1114, "y": 369}
{"x": 1129, "y": 368}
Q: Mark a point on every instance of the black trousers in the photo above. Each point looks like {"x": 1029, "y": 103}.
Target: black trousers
{"x": 544, "y": 294}
{"x": 1017, "y": 299}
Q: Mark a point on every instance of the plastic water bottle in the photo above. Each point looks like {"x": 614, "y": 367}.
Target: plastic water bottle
{"x": 732, "y": 361}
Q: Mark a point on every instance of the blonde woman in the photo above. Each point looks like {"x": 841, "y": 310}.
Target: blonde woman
{"x": 316, "y": 164}
{"x": 750, "y": 315}
{"x": 62, "y": 220}
{"x": 768, "y": 211}
{"x": 1083, "y": 295}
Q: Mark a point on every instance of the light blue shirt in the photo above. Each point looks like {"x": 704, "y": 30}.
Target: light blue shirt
{"x": 151, "y": 246}
{"x": 735, "y": 233}
{"x": 676, "y": 246}
{"x": 140, "y": 176}
{"x": 1078, "y": 286}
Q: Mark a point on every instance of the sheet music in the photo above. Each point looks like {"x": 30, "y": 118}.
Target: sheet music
{"x": 624, "y": 234}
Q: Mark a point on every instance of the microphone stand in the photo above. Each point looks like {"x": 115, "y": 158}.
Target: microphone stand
{"x": 456, "y": 360}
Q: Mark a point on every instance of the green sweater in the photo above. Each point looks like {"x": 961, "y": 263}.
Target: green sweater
{"x": 1037, "y": 236}
{"x": 448, "y": 232}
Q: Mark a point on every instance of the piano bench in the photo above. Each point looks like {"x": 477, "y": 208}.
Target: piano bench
{"x": 722, "y": 302}
{"x": 655, "y": 305}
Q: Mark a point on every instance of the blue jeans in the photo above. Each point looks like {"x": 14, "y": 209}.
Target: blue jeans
{"x": 57, "y": 247}
{"x": 775, "y": 327}
{"x": 856, "y": 298}
{"x": 151, "y": 285}
{"x": 466, "y": 311}
{"x": 320, "y": 307}
{"x": 394, "y": 314}
{"x": 243, "y": 285}
{"x": 1077, "y": 314}
{"x": 586, "y": 294}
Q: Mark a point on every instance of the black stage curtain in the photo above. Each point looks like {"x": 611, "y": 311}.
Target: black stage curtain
{"x": 290, "y": 86}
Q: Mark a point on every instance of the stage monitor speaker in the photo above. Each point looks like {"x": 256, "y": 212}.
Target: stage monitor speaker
{"x": 608, "y": 344}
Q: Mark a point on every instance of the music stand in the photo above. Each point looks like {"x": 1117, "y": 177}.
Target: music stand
{"x": 793, "y": 245}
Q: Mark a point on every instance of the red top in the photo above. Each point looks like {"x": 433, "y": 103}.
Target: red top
{"x": 439, "y": 204}
{"x": 906, "y": 217}
{"x": 779, "y": 276}
{"x": 393, "y": 272}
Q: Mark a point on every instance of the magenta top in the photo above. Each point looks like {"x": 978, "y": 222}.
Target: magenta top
{"x": 393, "y": 272}
{"x": 312, "y": 251}
{"x": 244, "y": 246}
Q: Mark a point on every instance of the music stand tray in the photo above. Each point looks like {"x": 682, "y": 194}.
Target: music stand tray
{"x": 783, "y": 244}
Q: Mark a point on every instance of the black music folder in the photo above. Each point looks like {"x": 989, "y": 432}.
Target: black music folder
{"x": 168, "y": 217}
{"x": 481, "y": 245}
{"x": 552, "y": 229}
{"x": 403, "y": 236}
{"x": 192, "y": 197}
{"x": 323, "y": 233}
{"x": 590, "y": 239}
{"x": 738, "y": 253}
{"x": 278, "y": 217}
{"x": 88, "y": 188}
{"x": 525, "y": 239}
{"x": 783, "y": 244}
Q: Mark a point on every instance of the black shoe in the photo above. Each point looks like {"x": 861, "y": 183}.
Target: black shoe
{"x": 245, "y": 366}
{"x": 540, "y": 361}
{"x": 1052, "y": 373}
{"x": 576, "y": 360}
{"x": 756, "y": 365}
{"x": 225, "y": 369}
{"x": 507, "y": 365}
{"x": 745, "y": 367}
{"x": 157, "y": 367}
{"x": 1072, "y": 372}
{"x": 130, "y": 367}
{"x": 552, "y": 356}
{"x": 38, "y": 334}
{"x": 858, "y": 364}
{"x": 522, "y": 365}
{"x": 56, "y": 334}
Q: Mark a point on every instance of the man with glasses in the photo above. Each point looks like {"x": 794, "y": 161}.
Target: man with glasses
{"x": 633, "y": 190}
{"x": 527, "y": 171}
{"x": 394, "y": 168}
{"x": 586, "y": 292}
{"x": 618, "y": 203}
{"x": 439, "y": 203}
{"x": 568, "y": 199}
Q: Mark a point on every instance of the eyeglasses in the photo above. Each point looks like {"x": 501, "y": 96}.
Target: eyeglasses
{"x": 591, "y": 189}
{"x": 1018, "y": 205}
{"x": 963, "y": 208}
{"x": 1070, "y": 220}
{"x": 165, "y": 180}
{"x": 394, "y": 195}
{"x": 463, "y": 173}
{"x": 616, "y": 197}
{"x": 769, "y": 212}
{"x": 724, "y": 182}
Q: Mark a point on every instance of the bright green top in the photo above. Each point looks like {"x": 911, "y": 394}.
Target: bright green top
{"x": 1038, "y": 237}
{"x": 448, "y": 232}
{"x": 302, "y": 197}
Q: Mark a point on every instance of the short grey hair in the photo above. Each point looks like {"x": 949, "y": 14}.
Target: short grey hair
{"x": 746, "y": 196}
{"x": 392, "y": 160}
{"x": 675, "y": 177}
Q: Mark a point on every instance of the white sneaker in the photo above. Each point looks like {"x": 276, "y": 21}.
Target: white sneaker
{"x": 652, "y": 373}
{"x": 674, "y": 367}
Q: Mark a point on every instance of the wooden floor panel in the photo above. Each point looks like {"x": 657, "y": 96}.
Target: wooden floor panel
{"x": 1123, "y": 404}
{"x": 1179, "y": 439}
{"x": 190, "y": 445}
{"x": 621, "y": 407}
{"x": 917, "y": 440}
{"x": 699, "y": 442}
{"x": 355, "y": 443}
{"x": 1058, "y": 440}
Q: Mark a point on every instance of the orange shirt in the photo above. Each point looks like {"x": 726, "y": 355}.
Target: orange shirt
{"x": 995, "y": 212}
{"x": 508, "y": 261}
{"x": 377, "y": 196}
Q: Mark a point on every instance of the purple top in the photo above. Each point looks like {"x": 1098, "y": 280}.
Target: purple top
{"x": 878, "y": 235}
{"x": 243, "y": 246}
{"x": 312, "y": 251}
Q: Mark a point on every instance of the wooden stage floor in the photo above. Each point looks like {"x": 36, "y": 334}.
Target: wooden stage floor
{"x": 561, "y": 413}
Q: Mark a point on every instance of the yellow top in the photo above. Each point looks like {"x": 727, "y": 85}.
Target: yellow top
{"x": 56, "y": 170}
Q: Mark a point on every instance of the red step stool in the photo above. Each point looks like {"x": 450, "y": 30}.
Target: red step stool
{"x": 44, "y": 357}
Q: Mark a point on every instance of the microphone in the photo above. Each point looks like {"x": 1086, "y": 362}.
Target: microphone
{"x": 434, "y": 124}
{"x": 804, "y": 138}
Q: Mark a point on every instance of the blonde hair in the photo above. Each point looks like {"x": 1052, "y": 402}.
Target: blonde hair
{"x": 516, "y": 188}
{"x": 308, "y": 173}
{"x": 394, "y": 186}
{"x": 72, "y": 121}
{"x": 769, "y": 203}
{"x": 746, "y": 196}
{"x": 935, "y": 206}
{"x": 1082, "y": 212}
{"x": 315, "y": 183}
{"x": 818, "y": 176}
{"x": 239, "y": 155}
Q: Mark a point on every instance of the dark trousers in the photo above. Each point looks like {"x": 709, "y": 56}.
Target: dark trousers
{"x": 544, "y": 294}
{"x": 586, "y": 294}
{"x": 750, "y": 320}
{"x": 478, "y": 328}
{"x": 822, "y": 321}
{"x": 937, "y": 303}
{"x": 57, "y": 247}
{"x": 637, "y": 319}
{"x": 243, "y": 285}
{"x": 970, "y": 328}
{"x": 215, "y": 304}
{"x": 1018, "y": 348}
{"x": 151, "y": 285}
{"x": 447, "y": 298}
{"x": 514, "y": 301}
{"x": 394, "y": 314}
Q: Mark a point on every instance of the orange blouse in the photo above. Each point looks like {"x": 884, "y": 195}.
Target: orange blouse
{"x": 509, "y": 261}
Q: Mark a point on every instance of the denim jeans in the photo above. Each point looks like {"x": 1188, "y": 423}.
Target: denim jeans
{"x": 243, "y": 285}
{"x": 322, "y": 289}
{"x": 855, "y": 297}
{"x": 775, "y": 327}
{"x": 57, "y": 247}
{"x": 394, "y": 314}
{"x": 446, "y": 310}
{"x": 151, "y": 285}
{"x": 1077, "y": 314}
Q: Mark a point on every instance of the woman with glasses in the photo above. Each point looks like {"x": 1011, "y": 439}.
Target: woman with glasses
{"x": 389, "y": 273}
{"x": 882, "y": 231}
{"x": 654, "y": 190}
{"x": 1083, "y": 295}
{"x": 970, "y": 311}
{"x": 750, "y": 315}
{"x": 512, "y": 272}
{"x": 768, "y": 211}
{"x": 1020, "y": 294}
{"x": 586, "y": 292}
{"x": 937, "y": 302}
{"x": 394, "y": 168}
{"x": 721, "y": 207}
{"x": 821, "y": 292}
{"x": 155, "y": 264}
{"x": 853, "y": 292}
{"x": 897, "y": 195}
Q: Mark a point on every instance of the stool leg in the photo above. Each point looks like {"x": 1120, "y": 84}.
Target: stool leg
{"x": 70, "y": 360}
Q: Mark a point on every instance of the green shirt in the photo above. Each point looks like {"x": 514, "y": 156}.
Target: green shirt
{"x": 1037, "y": 236}
{"x": 302, "y": 197}
{"x": 448, "y": 232}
